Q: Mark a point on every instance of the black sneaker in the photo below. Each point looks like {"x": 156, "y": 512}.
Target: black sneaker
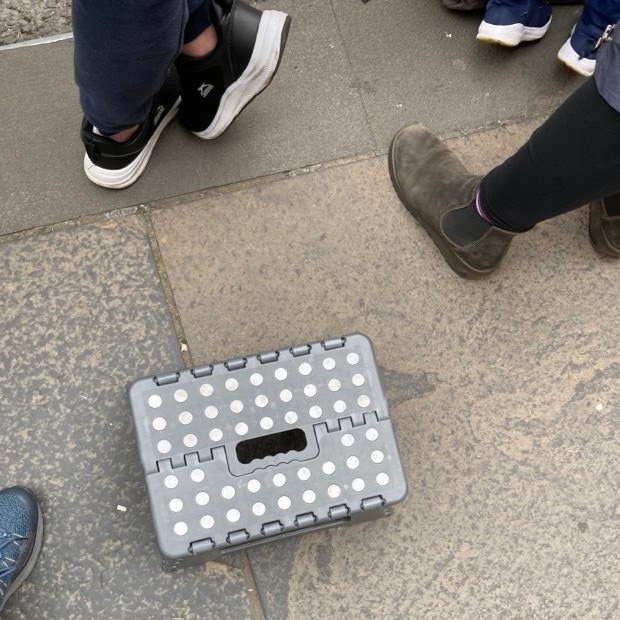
{"x": 119, "y": 164}
{"x": 216, "y": 89}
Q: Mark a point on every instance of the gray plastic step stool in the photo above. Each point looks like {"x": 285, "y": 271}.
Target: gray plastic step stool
{"x": 266, "y": 446}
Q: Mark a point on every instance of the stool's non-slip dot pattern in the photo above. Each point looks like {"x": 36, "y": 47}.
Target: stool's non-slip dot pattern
{"x": 372, "y": 434}
{"x": 340, "y": 406}
{"x": 211, "y": 412}
{"x": 207, "y": 522}
{"x": 266, "y": 423}
{"x": 353, "y": 462}
{"x": 259, "y": 509}
{"x": 236, "y": 406}
{"x": 305, "y": 369}
{"x": 228, "y": 492}
{"x": 315, "y": 411}
{"x": 176, "y": 505}
{"x": 358, "y": 380}
{"x": 310, "y": 390}
{"x": 197, "y": 475}
{"x": 206, "y": 389}
{"x": 382, "y": 479}
{"x": 347, "y": 440}
{"x": 190, "y": 440}
{"x": 261, "y": 401}
{"x": 241, "y": 428}
{"x": 185, "y": 417}
{"x": 376, "y": 456}
{"x": 290, "y": 417}
{"x": 358, "y": 484}
{"x": 253, "y": 486}
{"x": 202, "y": 498}
{"x": 164, "y": 446}
{"x": 279, "y": 480}
{"x": 303, "y": 473}
{"x": 334, "y": 385}
{"x": 353, "y": 358}
{"x": 329, "y": 363}
{"x": 233, "y": 515}
{"x": 155, "y": 401}
{"x": 231, "y": 384}
{"x": 284, "y": 502}
{"x": 308, "y": 496}
{"x": 333, "y": 490}
{"x": 181, "y": 528}
{"x": 256, "y": 379}
{"x": 328, "y": 468}
{"x": 280, "y": 374}
{"x": 215, "y": 434}
{"x": 286, "y": 396}
{"x": 171, "y": 482}
{"x": 159, "y": 424}
{"x": 363, "y": 400}
{"x": 180, "y": 396}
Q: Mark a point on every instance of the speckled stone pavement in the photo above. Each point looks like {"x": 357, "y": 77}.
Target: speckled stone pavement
{"x": 504, "y": 392}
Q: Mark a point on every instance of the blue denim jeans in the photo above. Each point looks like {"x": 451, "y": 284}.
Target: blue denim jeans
{"x": 123, "y": 50}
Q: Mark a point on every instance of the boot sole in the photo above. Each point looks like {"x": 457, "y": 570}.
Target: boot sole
{"x": 124, "y": 177}
{"x": 263, "y": 65}
{"x": 455, "y": 263}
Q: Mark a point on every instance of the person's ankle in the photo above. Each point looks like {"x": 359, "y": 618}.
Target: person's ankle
{"x": 126, "y": 134}
{"x": 203, "y": 45}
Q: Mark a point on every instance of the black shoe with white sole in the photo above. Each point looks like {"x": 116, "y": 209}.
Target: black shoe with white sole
{"x": 216, "y": 89}
{"x": 116, "y": 165}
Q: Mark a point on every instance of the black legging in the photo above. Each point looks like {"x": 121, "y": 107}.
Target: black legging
{"x": 571, "y": 160}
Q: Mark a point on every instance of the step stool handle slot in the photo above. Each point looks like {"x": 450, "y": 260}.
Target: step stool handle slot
{"x": 261, "y": 447}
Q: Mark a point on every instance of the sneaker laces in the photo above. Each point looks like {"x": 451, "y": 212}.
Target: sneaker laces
{"x": 8, "y": 565}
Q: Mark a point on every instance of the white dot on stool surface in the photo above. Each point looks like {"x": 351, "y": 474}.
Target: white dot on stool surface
{"x": 159, "y": 424}
{"x": 256, "y": 379}
{"x": 303, "y": 473}
{"x": 211, "y": 412}
{"x": 280, "y": 374}
{"x": 206, "y": 389}
{"x": 259, "y": 509}
{"x": 180, "y": 528}
{"x": 284, "y": 502}
{"x": 241, "y": 428}
{"x": 363, "y": 401}
{"x": 347, "y": 440}
{"x": 190, "y": 440}
{"x": 358, "y": 484}
{"x": 333, "y": 490}
{"x": 382, "y": 478}
{"x": 334, "y": 385}
{"x": 202, "y": 498}
{"x": 353, "y": 358}
{"x": 372, "y": 434}
{"x": 376, "y": 456}
{"x": 228, "y": 492}
{"x": 266, "y": 423}
{"x": 253, "y": 486}
{"x": 308, "y": 496}
{"x": 328, "y": 468}
{"x": 279, "y": 480}
{"x": 310, "y": 390}
{"x": 155, "y": 401}
{"x": 315, "y": 411}
{"x": 340, "y": 406}
{"x": 176, "y": 505}
{"x": 233, "y": 515}
{"x": 305, "y": 368}
{"x": 215, "y": 434}
{"x": 171, "y": 482}
{"x": 197, "y": 475}
{"x": 207, "y": 522}
{"x": 290, "y": 417}
{"x": 286, "y": 396}
{"x": 231, "y": 384}
{"x": 353, "y": 462}
{"x": 164, "y": 446}
{"x": 236, "y": 406}
{"x": 261, "y": 400}
{"x": 358, "y": 380}
{"x": 329, "y": 363}
{"x": 180, "y": 396}
{"x": 185, "y": 417}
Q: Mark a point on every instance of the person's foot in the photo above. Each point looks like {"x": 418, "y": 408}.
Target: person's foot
{"x": 117, "y": 165}
{"x": 21, "y": 536}
{"x": 216, "y": 89}
{"x": 510, "y": 22}
{"x": 579, "y": 50}
{"x": 604, "y": 230}
{"x": 440, "y": 193}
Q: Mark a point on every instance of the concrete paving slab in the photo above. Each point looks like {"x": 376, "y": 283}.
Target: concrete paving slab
{"x": 308, "y": 114}
{"x": 504, "y": 392}
{"x": 82, "y": 314}
{"x": 418, "y": 62}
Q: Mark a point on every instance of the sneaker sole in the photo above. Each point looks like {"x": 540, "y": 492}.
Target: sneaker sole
{"x": 512, "y": 35}
{"x": 569, "y": 57}
{"x": 264, "y": 62}
{"x": 30, "y": 564}
{"x": 454, "y": 262}
{"x": 124, "y": 177}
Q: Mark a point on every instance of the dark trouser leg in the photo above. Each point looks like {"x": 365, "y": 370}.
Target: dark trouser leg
{"x": 571, "y": 160}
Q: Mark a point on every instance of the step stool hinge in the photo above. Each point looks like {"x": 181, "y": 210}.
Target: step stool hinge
{"x": 166, "y": 378}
